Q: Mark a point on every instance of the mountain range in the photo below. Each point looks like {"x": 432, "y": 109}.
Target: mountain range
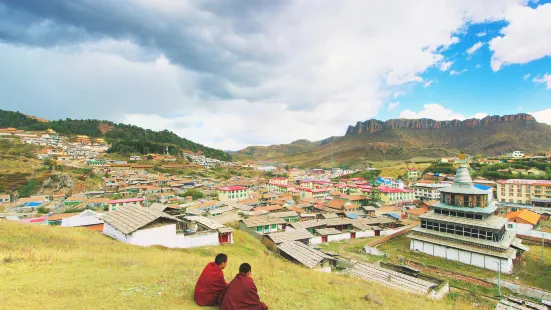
{"x": 403, "y": 139}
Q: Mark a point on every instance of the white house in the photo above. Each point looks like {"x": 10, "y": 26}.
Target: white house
{"x": 4, "y": 198}
{"x": 85, "y": 218}
{"x": 516, "y": 154}
{"x": 145, "y": 227}
{"x": 428, "y": 191}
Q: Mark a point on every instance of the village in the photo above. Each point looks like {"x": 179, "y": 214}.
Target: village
{"x": 328, "y": 220}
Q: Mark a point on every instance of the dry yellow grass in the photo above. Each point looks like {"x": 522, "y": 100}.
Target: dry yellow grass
{"x": 53, "y": 267}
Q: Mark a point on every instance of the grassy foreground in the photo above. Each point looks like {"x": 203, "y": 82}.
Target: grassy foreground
{"x": 53, "y": 267}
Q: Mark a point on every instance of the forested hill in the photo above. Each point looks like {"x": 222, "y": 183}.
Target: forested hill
{"x": 125, "y": 138}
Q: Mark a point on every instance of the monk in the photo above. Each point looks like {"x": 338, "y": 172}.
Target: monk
{"x": 242, "y": 293}
{"x": 211, "y": 283}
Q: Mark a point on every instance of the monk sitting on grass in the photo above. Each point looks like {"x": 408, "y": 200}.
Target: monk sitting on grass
{"x": 211, "y": 283}
{"x": 241, "y": 292}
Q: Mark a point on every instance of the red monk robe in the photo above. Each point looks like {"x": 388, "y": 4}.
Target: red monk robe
{"x": 241, "y": 294}
{"x": 210, "y": 286}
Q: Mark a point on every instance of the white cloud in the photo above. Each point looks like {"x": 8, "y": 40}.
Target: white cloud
{"x": 545, "y": 79}
{"x": 526, "y": 76}
{"x": 432, "y": 111}
{"x": 525, "y": 38}
{"x": 471, "y": 50}
{"x": 319, "y": 68}
{"x": 479, "y": 115}
{"x": 479, "y": 66}
{"x": 543, "y": 116}
{"x": 481, "y": 34}
{"x": 520, "y": 108}
{"x": 398, "y": 94}
{"x": 453, "y": 72}
{"x": 428, "y": 83}
{"x": 445, "y": 66}
{"x": 393, "y": 105}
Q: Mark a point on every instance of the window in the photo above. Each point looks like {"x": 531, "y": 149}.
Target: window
{"x": 259, "y": 228}
{"x": 274, "y": 226}
{"x": 509, "y": 225}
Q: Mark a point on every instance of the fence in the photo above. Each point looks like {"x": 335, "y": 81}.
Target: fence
{"x": 390, "y": 237}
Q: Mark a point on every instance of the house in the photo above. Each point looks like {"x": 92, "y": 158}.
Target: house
{"x": 55, "y": 219}
{"x": 262, "y": 225}
{"x": 413, "y": 214}
{"x": 272, "y": 240}
{"x": 309, "y": 225}
{"x": 86, "y": 218}
{"x": 114, "y": 204}
{"x": 301, "y": 253}
{"x": 232, "y": 193}
{"x": 332, "y": 234}
{"x": 395, "y": 196}
{"x": 272, "y": 208}
{"x": 516, "y": 155}
{"x": 392, "y": 216}
{"x": 35, "y": 220}
{"x": 74, "y": 201}
{"x": 145, "y": 227}
{"x": 96, "y": 203}
{"x": 342, "y": 205}
{"x": 4, "y": 198}
{"x": 287, "y": 216}
{"x": 522, "y": 220}
{"x": 413, "y": 173}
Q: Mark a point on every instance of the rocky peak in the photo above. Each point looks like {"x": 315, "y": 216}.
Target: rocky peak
{"x": 373, "y": 125}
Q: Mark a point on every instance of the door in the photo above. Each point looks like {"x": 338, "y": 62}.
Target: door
{"x": 223, "y": 238}
{"x": 377, "y": 233}
{"x": 352, "y": 235}
{"x": 324, "y": 239}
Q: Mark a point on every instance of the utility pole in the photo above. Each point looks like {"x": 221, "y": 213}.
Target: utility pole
{"x": 542, "y": 245}
{"x": 499, "y": 279}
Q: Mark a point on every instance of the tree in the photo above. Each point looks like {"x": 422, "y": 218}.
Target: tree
{"x": 194, "y": 193}
{"x": 149, "y": 157}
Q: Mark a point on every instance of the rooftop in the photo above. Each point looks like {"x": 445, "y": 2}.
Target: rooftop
{"x": 261, "y": 221}
{"x": 302, "y": 253}
{"x": 524, "y": 214}
{"x": 280, "y": 237}
{"x": 128, "y": 219}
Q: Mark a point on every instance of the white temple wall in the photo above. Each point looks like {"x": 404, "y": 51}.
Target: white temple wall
{"x": 466, "y": 257}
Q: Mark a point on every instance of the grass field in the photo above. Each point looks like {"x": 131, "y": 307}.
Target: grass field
{"x": 45, "y": 267}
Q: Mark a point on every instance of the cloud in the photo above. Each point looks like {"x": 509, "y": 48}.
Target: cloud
{"x": 437, "y": 112}
{"x": 543, "y": 116}
{"x": 428, "y": 83}
{"x": 222, "y": 76}
{"x": 479, "y": 66}
{"x": 471, "y": 50}
{"x": 525, "y": 38}
{"x": 526, "y": 76}
{"x": 545, "y": 79}
{"x": 393, "y": 105}
{"x": 520, "y": 108}
{"x": 453, "y": 72}
{"x": 445, "y": 66}
{"x": 481, "y": 34}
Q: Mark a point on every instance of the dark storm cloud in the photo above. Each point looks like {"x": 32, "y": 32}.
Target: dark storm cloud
{"x": 178, "y": 36}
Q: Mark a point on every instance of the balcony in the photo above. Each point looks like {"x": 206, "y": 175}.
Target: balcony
{"x": 462, "y": 204}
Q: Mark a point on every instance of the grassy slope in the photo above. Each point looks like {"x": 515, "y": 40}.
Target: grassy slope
{"x": 53, "y": 267}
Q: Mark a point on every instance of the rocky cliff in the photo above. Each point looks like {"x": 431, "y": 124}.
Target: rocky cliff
{"x": 373, "y": 125}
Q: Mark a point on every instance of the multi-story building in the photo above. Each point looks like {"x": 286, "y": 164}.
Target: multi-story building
{"x": 395, "y": 196}
{"x": 462, "y": 227}
{"x": 413, "y": 173}
{"x": 525, "y": 192}
{"x": 232, "y": 193}
{"x": 428, "y": 191}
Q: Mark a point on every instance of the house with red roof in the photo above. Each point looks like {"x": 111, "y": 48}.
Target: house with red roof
{"x": 233, "y": 193}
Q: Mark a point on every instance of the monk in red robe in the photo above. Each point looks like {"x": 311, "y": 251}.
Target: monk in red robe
{"x": 241, "y": 292}
{"x": 211, "y": 283}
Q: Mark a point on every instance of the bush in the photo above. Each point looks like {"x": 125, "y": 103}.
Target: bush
{"x": 194, "y": 193}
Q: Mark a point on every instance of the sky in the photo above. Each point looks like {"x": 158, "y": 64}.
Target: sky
{"x": 229, "y": 74}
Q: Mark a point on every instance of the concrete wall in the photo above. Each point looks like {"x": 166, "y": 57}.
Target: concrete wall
{"x": 338, "y": 237}
{"x": 520, "y": 228}
{"x": 466, "y": 257}
{"x": 365, "y": 234}
{"x": 387, "y": 232}
{"x": 315, "y": 240}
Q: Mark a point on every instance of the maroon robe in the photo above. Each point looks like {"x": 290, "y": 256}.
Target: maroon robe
{"x": 210, "y": 285}
{"x": 241, "y": 294}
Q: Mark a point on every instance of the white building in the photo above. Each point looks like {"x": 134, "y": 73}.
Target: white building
{"x": 85, "y": 218}
{"x": 428, "y": 191}
{"x": 146, "y": 227}
{"x": 516, "y": 154}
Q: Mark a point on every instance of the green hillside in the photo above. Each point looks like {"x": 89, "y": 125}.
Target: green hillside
{"x": 47, "y": 267}
{"x": 128, "y": 138}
